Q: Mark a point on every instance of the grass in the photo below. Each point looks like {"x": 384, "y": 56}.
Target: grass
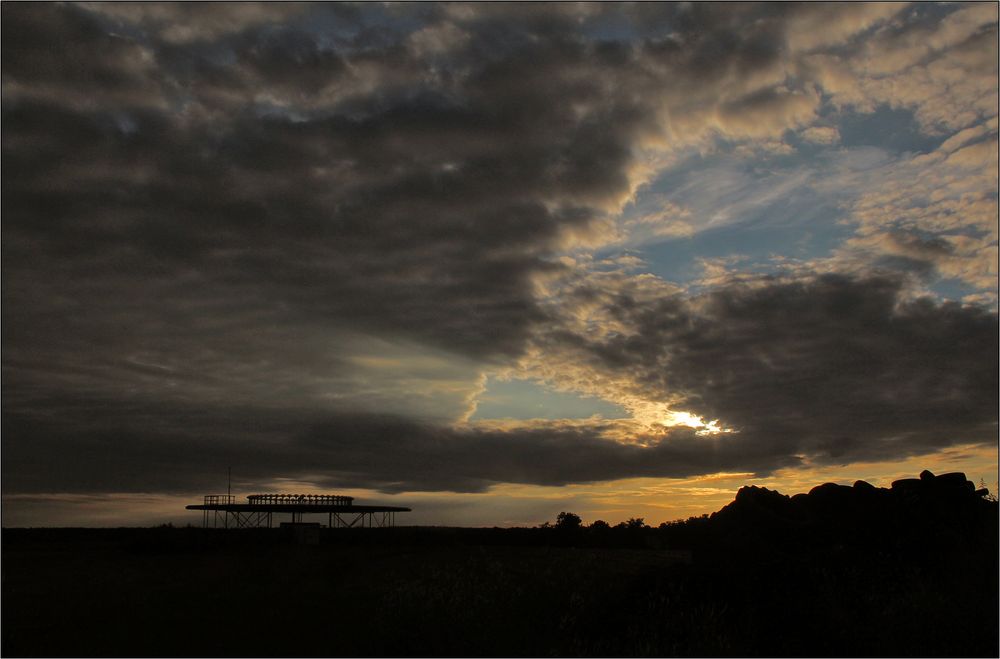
{"x": 475, "y": 592}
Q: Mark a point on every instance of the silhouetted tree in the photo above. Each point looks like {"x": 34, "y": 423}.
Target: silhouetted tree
{"x": 566, "y": 520}
{"x": 635, "y": 523}
{"x": 600, "y": 525}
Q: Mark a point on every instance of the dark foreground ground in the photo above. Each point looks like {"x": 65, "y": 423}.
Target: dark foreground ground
{"x": 769, "y": 576}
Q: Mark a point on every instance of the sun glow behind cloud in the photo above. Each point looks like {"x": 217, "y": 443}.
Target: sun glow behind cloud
{"x": 676, "y": 418}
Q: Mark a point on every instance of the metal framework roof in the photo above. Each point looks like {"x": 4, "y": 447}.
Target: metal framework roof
{"x": 257, "y": 510}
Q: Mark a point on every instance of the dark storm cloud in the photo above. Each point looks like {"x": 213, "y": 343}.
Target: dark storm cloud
{"x": 92, "y": 446}
{"x": 825, "y": 370}
{"x": 422, "y": 208}
{"x": 186, "y": 22}
{"x": 62, "y": 53}
{"x": 922, "y": 255}
{"x": 830, "y": 367}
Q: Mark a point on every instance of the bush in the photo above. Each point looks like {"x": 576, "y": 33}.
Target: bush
{"x": 566, "y": 520}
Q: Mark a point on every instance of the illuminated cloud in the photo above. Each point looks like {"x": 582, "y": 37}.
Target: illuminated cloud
{"x": 821, "y": 135}
{"x": 826, "y": 367}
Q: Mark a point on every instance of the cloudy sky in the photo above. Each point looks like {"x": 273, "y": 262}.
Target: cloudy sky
{"x": 493, "y": 261}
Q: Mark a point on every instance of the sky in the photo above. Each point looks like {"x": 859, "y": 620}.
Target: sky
{"x": 493, "y": 261}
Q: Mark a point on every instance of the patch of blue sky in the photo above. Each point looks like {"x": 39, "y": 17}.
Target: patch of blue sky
{"x": 722, "y": 194}
{"x": 749, "y": 208}
{"x": 126, "y": 123}
{"x": 952, "y": 289}
{"x": 381, "y": 25}
{"x": 755, "y": 244}
{"x": 266, "y": 109}
{"x": 114, "y": 25}
{"x": 609, "y": 25}
{"x": 527, "y": 399}
{"x": 895, "y": 130}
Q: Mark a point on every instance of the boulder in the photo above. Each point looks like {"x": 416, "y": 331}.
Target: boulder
{"x": 907, "y": 486}
{"x": 954, "y": 484}
{"x": 954, "y": 479}
{"x": 761, "y": 496}
{"x": 830, "y": 491}
{"x": 757, "y": 503}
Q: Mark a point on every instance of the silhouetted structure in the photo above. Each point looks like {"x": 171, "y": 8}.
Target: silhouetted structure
{"x": 259, "y": 510}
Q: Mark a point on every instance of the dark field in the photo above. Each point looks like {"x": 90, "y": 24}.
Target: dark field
{"x": 755, "y": 587}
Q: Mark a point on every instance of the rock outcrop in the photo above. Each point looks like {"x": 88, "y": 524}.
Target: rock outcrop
{"x": 925, "y": 513}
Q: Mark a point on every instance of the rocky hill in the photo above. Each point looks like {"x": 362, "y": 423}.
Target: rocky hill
{"x": 922, "y": 514}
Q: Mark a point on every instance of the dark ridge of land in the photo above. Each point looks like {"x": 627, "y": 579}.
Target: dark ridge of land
{"x": 910, "y": 570}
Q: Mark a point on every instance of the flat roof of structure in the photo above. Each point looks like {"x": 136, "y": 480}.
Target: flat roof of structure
{"x": 296, "y": 508}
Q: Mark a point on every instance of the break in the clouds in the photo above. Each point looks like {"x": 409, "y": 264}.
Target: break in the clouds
{"x": 305, "y": 240}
